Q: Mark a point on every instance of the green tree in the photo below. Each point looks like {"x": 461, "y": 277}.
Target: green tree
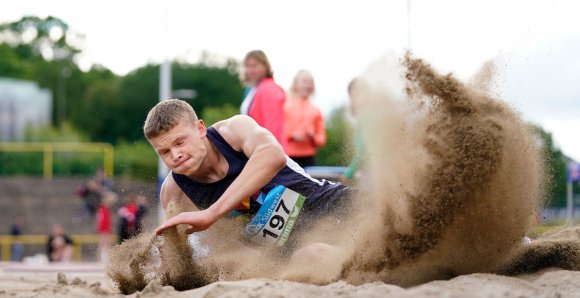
{"x": 215, "y": 85}
{"x": 10, "y": 62}
{"x": 211, "y": 115}
{"x": 339, "y": 147}
{"x": 555, "y": 168}
{"x": 98, "y": 110}
{"x": 48, "y": 37}
{"x": 136, "y": 159}
{"x": 67, "y": 133}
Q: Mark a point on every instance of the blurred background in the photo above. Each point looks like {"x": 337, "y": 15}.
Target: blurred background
{"x": 77, "y": 79}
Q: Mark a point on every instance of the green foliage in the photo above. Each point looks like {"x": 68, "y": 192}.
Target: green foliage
{"x": 10, "y": 65}
{"x": 49, "y": 37}
{"x": 215, "y": 85}
{"x": 76, "y": 163}
{"x": 137, "y": 160}
{"x": 18, "y": 163}
{"x": 339, "y": 146}
{"x": 98, "y": 112}
{"x": 66, "y": 133}
{"x": 138, "y": 92}
{"x": 211, "y": 115}
{"x": 555, "y": 168}
{"x": 64, "y": 164}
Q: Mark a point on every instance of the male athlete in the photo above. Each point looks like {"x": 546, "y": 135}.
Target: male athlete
{"x": 224, "y": 167}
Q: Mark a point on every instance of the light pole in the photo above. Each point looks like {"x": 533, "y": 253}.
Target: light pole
{"x": 164, "y": 93}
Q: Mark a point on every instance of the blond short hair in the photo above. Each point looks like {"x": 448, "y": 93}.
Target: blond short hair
{"x": 165, "y": 115}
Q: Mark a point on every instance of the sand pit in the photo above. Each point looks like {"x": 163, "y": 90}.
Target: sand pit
{"x": 549, "y": 282}
{"x": 546, "y": 283}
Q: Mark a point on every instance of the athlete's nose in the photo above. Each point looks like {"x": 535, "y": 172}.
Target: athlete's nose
{"x": 176, "y": 155}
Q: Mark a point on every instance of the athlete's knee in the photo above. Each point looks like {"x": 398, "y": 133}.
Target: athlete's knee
{"x": 313, "y": 252}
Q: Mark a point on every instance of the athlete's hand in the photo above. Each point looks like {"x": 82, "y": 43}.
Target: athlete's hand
{"x": 197, "y": 220}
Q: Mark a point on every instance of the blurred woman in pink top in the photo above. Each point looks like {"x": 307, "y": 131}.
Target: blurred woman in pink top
{"x": 264, "y": 100}
{"x": 303, "y": 121}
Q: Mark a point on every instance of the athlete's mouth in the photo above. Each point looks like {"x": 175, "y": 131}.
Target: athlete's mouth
{"x": 181, "y": 163}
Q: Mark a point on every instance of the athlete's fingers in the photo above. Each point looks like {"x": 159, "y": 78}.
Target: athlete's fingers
{"x": 169, "y": 223}
{"x": 162, "y": 228}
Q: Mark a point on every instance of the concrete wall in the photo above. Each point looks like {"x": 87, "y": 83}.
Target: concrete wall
{"x": 43, "y": 203}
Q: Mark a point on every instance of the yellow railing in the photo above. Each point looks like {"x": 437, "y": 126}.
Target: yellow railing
{"x": 49, "y": 148}
{"x": 6, "y": 242}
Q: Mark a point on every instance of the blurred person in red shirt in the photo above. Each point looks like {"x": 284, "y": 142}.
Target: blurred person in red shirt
{"x": 303, "y": 121}
{"x": 105, "y": 225}
{"x": 131, "y": 217}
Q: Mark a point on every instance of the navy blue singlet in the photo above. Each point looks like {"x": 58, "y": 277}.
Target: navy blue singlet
{"x": 320, "y": 194}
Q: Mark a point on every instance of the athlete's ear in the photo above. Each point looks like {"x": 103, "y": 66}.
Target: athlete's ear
{"x": 201, "y": 128}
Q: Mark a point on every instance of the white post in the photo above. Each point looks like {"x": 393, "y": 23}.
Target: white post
{"x": 164, "y": 93}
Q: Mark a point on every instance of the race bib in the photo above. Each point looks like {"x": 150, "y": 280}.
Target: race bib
{"x": 274, "y": 221}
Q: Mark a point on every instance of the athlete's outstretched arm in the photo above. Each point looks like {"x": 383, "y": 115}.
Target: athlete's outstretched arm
{"x": 266, "y": 159}
{"x": 174, "y": 203}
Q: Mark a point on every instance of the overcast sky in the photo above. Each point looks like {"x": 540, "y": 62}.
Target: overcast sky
{"x": 536, "y": 43}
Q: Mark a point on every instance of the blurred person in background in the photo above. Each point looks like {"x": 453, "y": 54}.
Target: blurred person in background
{"x": 264, "y": 101}
{"x": 104, "y": 224}
{"x": 357, "y": 91}
{"x": 59, "y": 246}
{"x": 93, "y": 191}
{"x": 17, "y": 249}
{"x": 303, "y": 121}
{"x": 142, "y": 210}
{"x": 131, "y": 217}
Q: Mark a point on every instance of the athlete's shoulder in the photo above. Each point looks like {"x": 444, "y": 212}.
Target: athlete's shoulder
{"x": 237, "y": 121}
{"x": 235, "y": 126}
{"x": 169, "y": 186}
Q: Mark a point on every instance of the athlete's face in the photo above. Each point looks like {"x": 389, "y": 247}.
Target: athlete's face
{"x": 181, "y": 148}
